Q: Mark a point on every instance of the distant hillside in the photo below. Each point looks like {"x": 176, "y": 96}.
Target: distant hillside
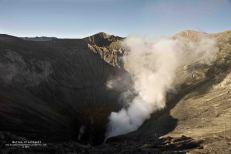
{"x": 43, "y": 38}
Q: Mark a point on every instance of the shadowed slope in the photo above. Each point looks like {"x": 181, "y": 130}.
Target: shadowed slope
{"x": 50, "y": 89}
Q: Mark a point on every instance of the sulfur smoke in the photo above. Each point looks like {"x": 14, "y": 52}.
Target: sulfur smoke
{"x": 152, "y": 65}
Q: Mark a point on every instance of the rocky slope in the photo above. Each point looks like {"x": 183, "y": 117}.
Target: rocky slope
{"x": 56, "y": 88}
{"x": 107, "y": 46}
{"x": 201, "y": 108}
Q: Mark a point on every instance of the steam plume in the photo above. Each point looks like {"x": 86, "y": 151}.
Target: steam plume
{"x": 152, "y": 65}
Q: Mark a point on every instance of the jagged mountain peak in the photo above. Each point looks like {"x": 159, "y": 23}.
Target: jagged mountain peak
{"x": 102, "y": 39}
{"x": 102, "y": 34}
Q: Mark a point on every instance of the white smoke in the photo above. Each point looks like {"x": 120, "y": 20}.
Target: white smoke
{"x": 152, "y": 65}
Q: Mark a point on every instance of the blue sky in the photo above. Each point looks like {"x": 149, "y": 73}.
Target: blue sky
{"x": 80, "y": 18}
